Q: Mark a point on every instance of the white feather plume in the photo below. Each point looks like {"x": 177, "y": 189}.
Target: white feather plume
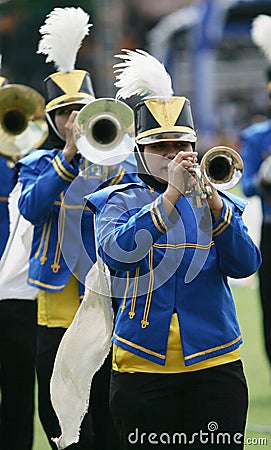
{"x": 261, "y": 34}
{"x": 142, "y": 74}
{"x": 62, "y": 35}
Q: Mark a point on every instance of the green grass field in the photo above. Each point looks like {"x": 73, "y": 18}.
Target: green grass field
{"x": 256, "y": 366}
{"x": 257, "y": 370}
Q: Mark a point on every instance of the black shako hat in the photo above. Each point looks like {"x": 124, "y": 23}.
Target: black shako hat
{"x": 62, "y": 34}
{"x": 160, "y": 116}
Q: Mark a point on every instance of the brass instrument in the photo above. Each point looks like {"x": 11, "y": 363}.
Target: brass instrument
{"x": 104, "y": 131}
{"x": 22, "y": 120}
{"x": 221, "y": 166}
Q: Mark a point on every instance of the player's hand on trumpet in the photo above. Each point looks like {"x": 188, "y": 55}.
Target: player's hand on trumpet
{"x": 180, "y": 177}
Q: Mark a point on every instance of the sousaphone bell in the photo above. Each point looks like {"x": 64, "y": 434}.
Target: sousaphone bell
{"x": 22, "y": 120}
{"x": 104, "y": 131}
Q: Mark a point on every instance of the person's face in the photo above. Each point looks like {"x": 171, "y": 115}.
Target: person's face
{"x": 158, "y": 156}
{"x": 62, "y": 115}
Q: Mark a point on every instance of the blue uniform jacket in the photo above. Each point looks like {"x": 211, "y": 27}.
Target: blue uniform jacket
{"x": 7, "y": 183}
{"x": 255, "y": 147}
{"x": 52, "y": 199}
{"x": 160, "y": 265}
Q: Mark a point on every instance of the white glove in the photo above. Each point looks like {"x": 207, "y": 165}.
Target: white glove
{"x": 265, "y": 170}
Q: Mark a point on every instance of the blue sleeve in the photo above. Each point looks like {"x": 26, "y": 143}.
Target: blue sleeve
{"x": 42, "y": 181}
{"x": 238, "y": 256}
{"x": 252, "y": 157}
{"x": 125, "y": 235}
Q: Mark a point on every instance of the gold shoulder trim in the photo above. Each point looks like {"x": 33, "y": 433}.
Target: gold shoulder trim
{"x": 61, "y": 170}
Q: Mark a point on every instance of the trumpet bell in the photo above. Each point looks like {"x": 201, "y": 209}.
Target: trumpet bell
{"x": 104, "y": 131}
{"x": 222, "y": 166}
{"x": 22, "y": 120}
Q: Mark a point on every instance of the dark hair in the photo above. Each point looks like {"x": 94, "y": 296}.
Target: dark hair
{"x": 53, "y": 141}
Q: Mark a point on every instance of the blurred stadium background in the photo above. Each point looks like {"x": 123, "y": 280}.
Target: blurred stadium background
{"x": 204, "y": 44}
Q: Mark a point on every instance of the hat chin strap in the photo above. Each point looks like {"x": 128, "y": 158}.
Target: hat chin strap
{"x": 52, "y": 124}
{"x": 145, "y": 174}
{"x": 142, "y": 160}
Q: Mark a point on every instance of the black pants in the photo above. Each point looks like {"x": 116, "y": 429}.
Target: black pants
{"x": 97, "y": 431}
{"x": 265, "y": 287}
{"x": 181, "y": 410}
{"x": 17, "y": 373}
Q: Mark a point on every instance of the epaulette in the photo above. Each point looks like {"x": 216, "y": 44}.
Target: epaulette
{"x": 98, "y": 199}
{"x": 239, "y": 202}
{"x": 34, "y": 157}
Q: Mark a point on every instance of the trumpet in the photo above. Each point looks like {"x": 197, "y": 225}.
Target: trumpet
{"x": 222, "y": 167}
{"x": 23, "y": 126}
{"x": 104, "y": 131}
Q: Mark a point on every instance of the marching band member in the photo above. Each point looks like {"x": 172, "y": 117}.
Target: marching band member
{"x": 177, "y": 372}
{"x": 18, "y": 326}
{"x": 54, "y": 183}
{"x": 18, "y": 309}
{"x": 256, "y": 153}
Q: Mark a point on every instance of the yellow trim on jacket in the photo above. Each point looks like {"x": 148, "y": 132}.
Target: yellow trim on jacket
{"x": 124, "y": 361}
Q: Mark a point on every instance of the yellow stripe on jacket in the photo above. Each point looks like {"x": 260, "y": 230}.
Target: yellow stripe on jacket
{"x": 124, "y": 361}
